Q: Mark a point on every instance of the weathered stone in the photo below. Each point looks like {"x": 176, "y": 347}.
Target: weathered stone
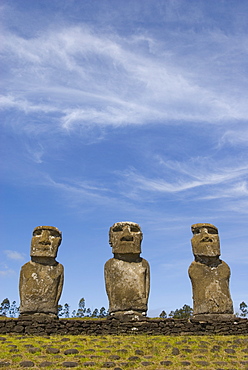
{"x": 27, "y": 364}
{"x": 139, "y": 352}
{"x": 4, "y": 363}
{"x": 175, "y": 351}
{"x": 88, "y": 363}
{"x": 71, "y": 351}
{"x": 41, "y": 279}
{"x": 166, "y": 363}
{"x": 230, "y": 350}
{"x": 70, "y": 364}
{"x": 45, "y": 364}
{"x": 108, "y": 364}
{"x": 33, "y": 350}
{"x": 209, "y": 276}
{"x": 127, "y": 275}
{"x": 185, "y": 363}
{"x": 133, "y": 358}
{"x": 146, "y": 363}
{"x": 52, "y": 350}
{"x": 202, "y": 363}
{"x": 114, "y": 357}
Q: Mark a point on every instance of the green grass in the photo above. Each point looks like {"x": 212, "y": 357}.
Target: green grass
{"x": 127, "y": 352}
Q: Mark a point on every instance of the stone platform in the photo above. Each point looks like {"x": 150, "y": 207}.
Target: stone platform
{"x": 46, "y": 326}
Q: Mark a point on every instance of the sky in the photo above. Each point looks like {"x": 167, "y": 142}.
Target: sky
{"x": 124, "y": 110}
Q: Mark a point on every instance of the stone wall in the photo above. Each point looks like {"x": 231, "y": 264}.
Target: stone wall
{"x": 112, "y": 326}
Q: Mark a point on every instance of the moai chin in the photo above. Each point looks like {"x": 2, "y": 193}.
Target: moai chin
{"x": 127, "y": 275}
{"x": 41, "y": 279}
{"x": 209, "y": 276}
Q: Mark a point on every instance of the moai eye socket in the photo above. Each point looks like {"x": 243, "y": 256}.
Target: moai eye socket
{"x": 211, "y": 230}
{"x": 54, "y": 233}
{"x": 117, "y": 228}
{"x": 37, "y": 232}
{"x": 135, "y": 229}
{"x": 196, "y": 231}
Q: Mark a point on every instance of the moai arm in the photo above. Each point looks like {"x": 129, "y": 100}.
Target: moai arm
{"x": 60, "y": 285}
{"x": 21, "y": 284}
{"x": 147, "y": 278}
{"x": 107, "y": 277}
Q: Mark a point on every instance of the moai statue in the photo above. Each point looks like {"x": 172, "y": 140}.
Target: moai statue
{"x": 127, "y": 275}
{"x": 209, "y": 276}
{"x": 41, "y": 279}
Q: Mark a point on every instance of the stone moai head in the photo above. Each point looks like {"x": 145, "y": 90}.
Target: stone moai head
{"x": 45, "y": 241}
{"x": 205, "y": 241}
{"x": 125, "y": 237}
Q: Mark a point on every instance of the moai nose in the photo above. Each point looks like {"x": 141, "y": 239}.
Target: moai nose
{"x": 205, "y": 235}
{"x": 45, "y": 237}
{"x": 127, "y": 235}
{"x": 126, "y": 229}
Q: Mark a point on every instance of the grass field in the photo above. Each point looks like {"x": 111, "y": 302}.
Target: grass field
{"x": 124, "y": 352}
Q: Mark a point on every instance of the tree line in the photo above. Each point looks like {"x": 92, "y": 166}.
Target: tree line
{"x": 186, "y": 312}
{"x": 8, "y": 309}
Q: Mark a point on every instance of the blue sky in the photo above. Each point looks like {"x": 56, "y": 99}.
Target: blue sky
{"x": 124, "y": 111}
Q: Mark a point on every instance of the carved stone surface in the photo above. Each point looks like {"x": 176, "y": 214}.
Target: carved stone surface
{"x": 209, "y": 276}
{"x": 41, "y": 279}
{"x": 127, "y": 275}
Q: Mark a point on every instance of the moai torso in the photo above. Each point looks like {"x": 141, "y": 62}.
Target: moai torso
{"x": 209, "y": 274}
{"x": 127, "y": 285}
{"x": 127, "y": 275}
{"x": 41, "y": 279}
{"x": 40, "y": 288}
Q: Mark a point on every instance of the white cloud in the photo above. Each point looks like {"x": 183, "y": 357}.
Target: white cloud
{"x": 193, "y": 174}
{"x": 87, "y": 77}
{"x": 6, "y": 273}
{"x": 14, "y": 255}
{"x": 235, "y": 137}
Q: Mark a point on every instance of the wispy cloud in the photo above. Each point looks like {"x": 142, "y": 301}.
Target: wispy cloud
{"x": 91, "y": 78}
{"x": 14, "y": 255}
{"x": 190, "y": 175}
{"x": 6, "y": 273}
{"x": 5, "y": 270}
{"x": 239, "y": 136}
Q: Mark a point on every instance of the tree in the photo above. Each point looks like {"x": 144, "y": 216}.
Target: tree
{"x": 244, "y": 309}
{"x": 64, "y": 311}
{"x": 182, "y": 313}
{"x": 60, "y": 310}
{"x": 102, "y": 312}
{"x": 95, "y": 313}
{"x": 163, "y": 315}
{"x": 13, "y": 310}
{"x": 73, "y": 314}
{"x": 88, "y": 312}
{"x": 81, "y": 308}
{"x": 4, "y": 308}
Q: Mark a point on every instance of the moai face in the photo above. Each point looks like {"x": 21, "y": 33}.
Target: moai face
{"x": 45, "y": 241}
{"x": 125, "y": 237}
{"x": 205, "y": 240}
